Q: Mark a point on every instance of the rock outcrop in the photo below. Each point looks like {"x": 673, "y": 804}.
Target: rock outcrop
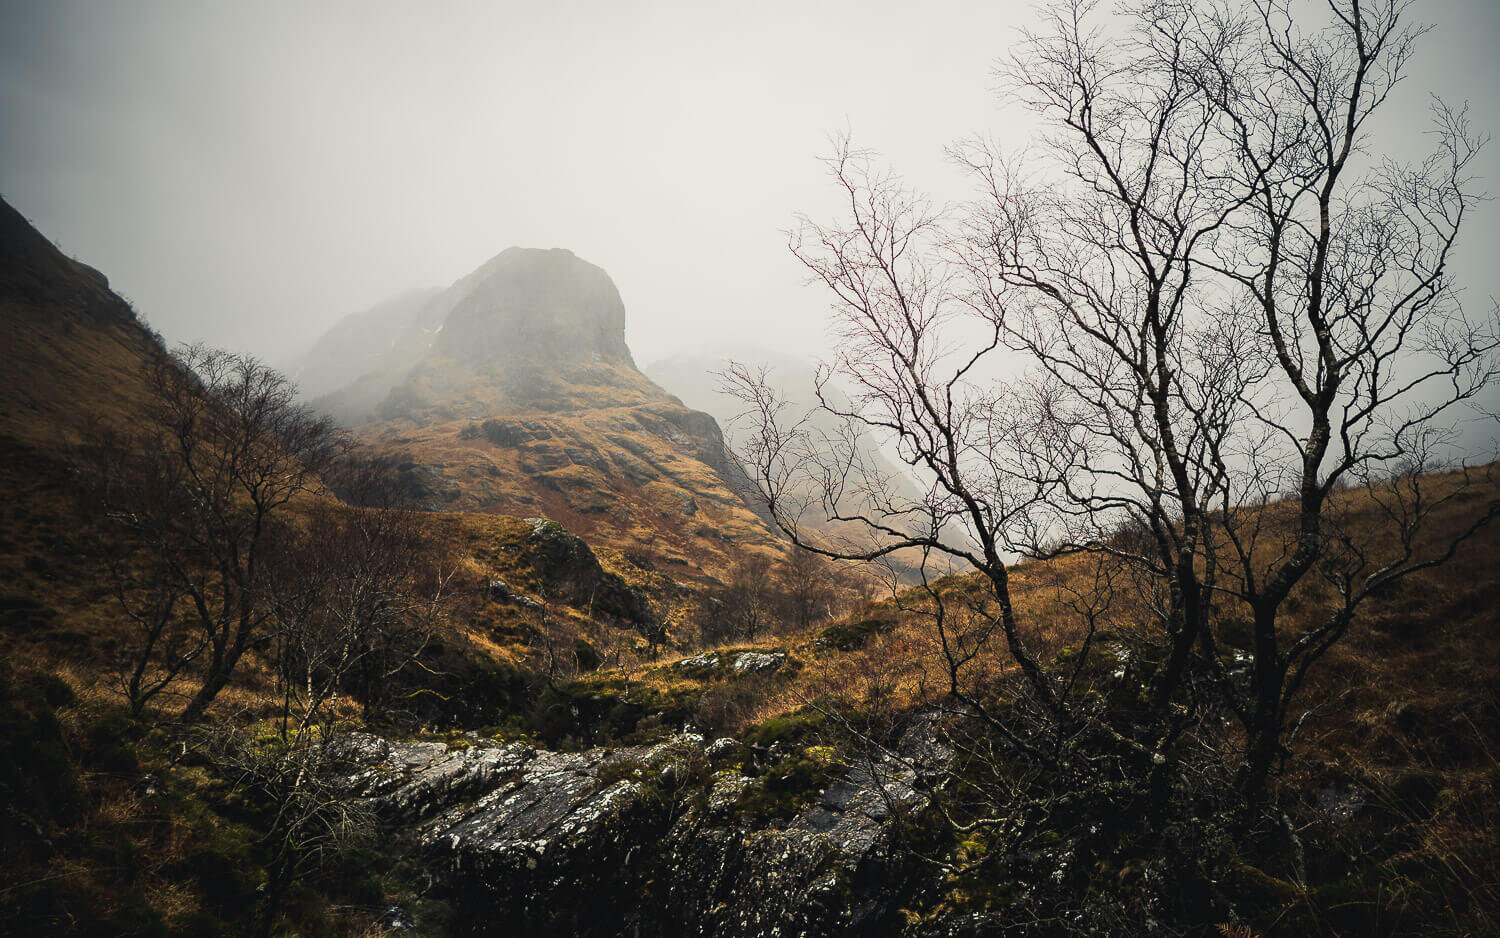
{"x": 530, "y": 305}
{"x": 652, "y": 839}
{"x": 876, "y": 480}
{"x": 566, "y": 564}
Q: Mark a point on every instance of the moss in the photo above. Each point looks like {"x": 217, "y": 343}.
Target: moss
{"x": 55, "y": 692}
{"x": 588, "y": 657}
{"x": 1257, "y": 889}
{"x": 36, "y": 768}
{"x": 111, "y": 747}
{"x": 617, "y": 770}
{"x": 356, "y": 876}
{"x": 225, "y": 873}
{"x": 453, "y": 685}
{"x": 794, "y": 728}
{"x": 601, "y": 709}
{"x": 789, "y": 785}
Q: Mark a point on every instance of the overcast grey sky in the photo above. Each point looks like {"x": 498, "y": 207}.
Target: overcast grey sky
{"x": 249, "y": 172}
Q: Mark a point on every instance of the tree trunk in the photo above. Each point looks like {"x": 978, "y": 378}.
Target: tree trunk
{"x": 1265, "y": 728}
{"x": 1171, "y": 674}
{"x": 213, "y": 682}
{"x": 275, "y": 893}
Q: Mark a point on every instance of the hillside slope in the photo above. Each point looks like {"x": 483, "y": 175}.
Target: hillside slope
{"x": 357, "y": 343}
{"x": 767, "y": 813}
{"x": 74, "y": 349}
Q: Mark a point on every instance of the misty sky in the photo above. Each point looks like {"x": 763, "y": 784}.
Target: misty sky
{"x": 249, "y": 172}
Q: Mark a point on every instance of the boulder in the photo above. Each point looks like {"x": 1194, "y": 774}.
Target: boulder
{"x": 567, "y": 565}
{"x": 755, "y": 662}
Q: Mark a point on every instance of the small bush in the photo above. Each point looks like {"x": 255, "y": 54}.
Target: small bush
{"x": 793, "y": 729}
{"x": 847, "y": 636}
{"x": 588, "y": 657}
{"x": 789, "y": 785}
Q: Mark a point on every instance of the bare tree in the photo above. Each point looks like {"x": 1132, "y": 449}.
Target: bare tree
{"x": 352, "y": 595}
{"x": 201, "y": 489}
{"x": 808, "y": 589}
{"x": 744, "y": 607}
{"x": 1227, "y": 303}
{"x": 1202, "y": 294}
{"x": 161, "y": 640}
{"x": 355, "y": 595}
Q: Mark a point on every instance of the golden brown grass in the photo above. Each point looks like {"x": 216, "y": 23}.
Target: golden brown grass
{"x": 668, "y": 505}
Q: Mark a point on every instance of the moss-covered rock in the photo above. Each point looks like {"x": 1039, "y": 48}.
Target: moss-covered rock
{"x": 567, "y": 566}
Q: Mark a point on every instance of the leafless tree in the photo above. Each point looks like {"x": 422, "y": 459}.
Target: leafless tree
{"x": 1198, "y": 293}
{"x": 743, "y": 607}
{"x": 807, "y": 587}
{"x": 355, "y": 595}
{"x": 1227, "y": 301}
{"x": 201, "y": 490}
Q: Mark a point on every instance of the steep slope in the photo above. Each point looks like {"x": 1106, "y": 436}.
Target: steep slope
{"x": 75, "y": 354}
{"x": 514, "y": 392}
{"x": 73, "y": 348}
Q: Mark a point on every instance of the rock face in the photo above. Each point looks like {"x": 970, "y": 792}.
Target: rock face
{"x": 695, "y": 379}
{"x": 745, "y": 662}
{"x": 649, "y": 839}
{"x": 565, "y": 562}
{"x": 507, "y": 335}
{"x": 358, "y": 343}
{"x": 528, "y": 305}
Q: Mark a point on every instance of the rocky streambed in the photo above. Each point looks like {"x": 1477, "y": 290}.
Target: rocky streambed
{"x": 682, "y": 837}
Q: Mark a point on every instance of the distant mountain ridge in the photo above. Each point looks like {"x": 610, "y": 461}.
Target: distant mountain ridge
{"x": 358, "y": 343}
{"x": 516, "y": 392}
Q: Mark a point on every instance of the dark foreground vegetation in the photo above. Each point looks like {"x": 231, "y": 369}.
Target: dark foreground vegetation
{"x": 1381, "y": 821}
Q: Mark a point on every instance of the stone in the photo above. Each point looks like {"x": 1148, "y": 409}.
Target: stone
{"x": 755, "y": 662}
{"x": 722, "y": 746}
{"x": 704, "y": 662}
{"x": 396, "y": 918}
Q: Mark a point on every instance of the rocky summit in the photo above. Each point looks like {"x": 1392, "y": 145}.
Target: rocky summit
{"x": 527, "y": 304}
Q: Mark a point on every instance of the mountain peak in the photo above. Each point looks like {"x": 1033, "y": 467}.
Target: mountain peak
{"x": 536, "y": 304}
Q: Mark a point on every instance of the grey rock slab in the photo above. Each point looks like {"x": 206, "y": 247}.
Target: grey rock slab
{"x": 756, "y": 662}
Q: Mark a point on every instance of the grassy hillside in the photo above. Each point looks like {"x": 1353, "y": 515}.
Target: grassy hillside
{"x": 632, "y": 470}
{"x": 1394, "y": 788}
